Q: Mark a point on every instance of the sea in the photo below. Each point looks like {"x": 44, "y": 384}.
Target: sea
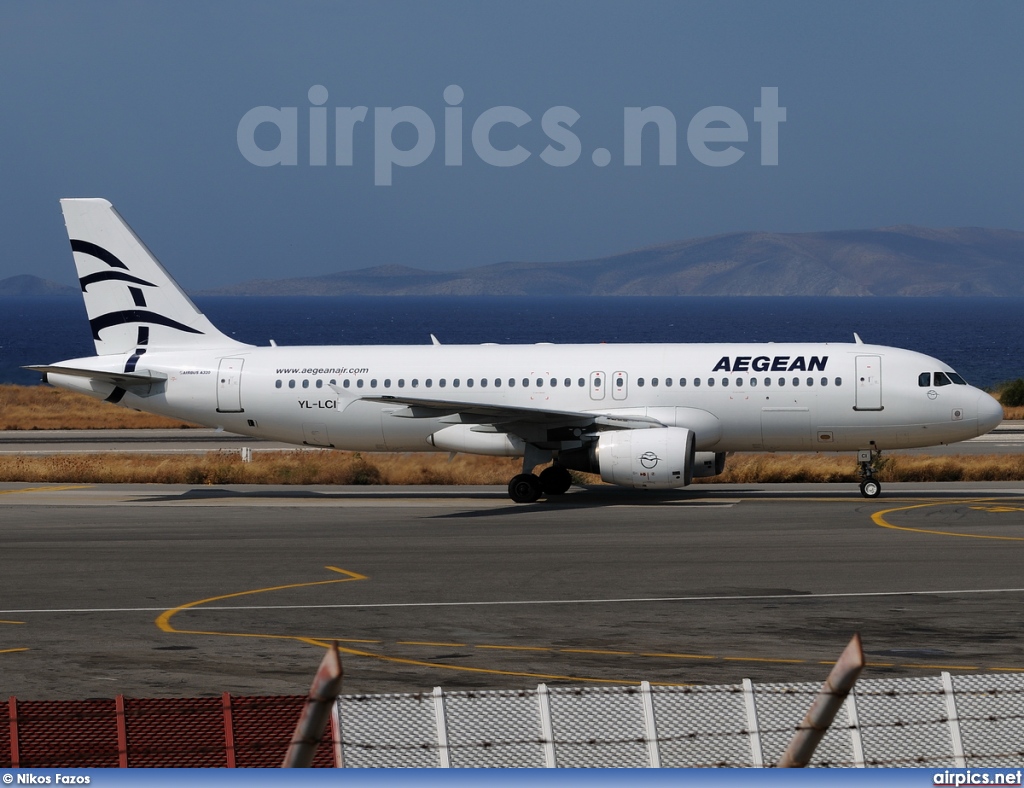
{"x": 981, "y": 338}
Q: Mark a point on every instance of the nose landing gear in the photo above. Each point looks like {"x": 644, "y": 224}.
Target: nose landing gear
{"x": 870, "y": 487}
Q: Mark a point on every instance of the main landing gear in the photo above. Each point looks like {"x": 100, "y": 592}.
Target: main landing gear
{"x": 528, "y": 487}
{"x": 870, "y": 487}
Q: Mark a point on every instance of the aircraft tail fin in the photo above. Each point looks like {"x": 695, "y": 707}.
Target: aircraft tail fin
{"x": 132, "y": 302}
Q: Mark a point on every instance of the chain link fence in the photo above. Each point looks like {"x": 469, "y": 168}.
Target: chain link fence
{"x": 937, "y": 721}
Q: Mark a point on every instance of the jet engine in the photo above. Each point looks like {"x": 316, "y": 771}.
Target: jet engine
{"x": 658, "y": 458}
{"x": 464, "y": 438}
{"x": 708, "y": 463}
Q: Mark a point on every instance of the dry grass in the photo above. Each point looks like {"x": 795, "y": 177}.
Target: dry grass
{"x": 49, "y": 408}
{"x": 770, "y": 468}
{"x": 334, "y": 467}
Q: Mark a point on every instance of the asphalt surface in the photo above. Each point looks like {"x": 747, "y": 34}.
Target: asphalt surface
{"x": 156, "y": 591}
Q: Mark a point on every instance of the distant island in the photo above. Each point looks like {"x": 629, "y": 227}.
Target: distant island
{"x": 28, "y": 285}
{"x": 891, "y": 261}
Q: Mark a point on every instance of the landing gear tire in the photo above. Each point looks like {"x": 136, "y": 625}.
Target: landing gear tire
{"x": 869, "y": 488}
{"x": 524, "y": 488}
{"x": 555, "y": 480}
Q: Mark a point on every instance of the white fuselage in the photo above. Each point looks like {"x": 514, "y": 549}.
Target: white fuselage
{"x": 735, "y": 397}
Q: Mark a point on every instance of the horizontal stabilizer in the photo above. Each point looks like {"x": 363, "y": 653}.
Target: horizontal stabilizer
{"x": 125, "y": 380}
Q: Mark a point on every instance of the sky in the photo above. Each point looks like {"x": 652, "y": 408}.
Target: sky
{"x": 894, "y": 113}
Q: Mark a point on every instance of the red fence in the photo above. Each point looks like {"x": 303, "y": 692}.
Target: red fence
{"x": 226, "y": 731}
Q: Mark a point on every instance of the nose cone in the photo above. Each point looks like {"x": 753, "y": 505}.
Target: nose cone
{"x": 990, "y": 413}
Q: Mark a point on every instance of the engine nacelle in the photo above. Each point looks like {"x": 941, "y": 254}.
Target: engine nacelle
{"x": 652, "y": 458}
{"x": 708, "y": 463}
{"x": 461, "y": 437}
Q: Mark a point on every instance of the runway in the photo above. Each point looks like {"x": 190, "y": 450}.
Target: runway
{"x": 151, "y": 590}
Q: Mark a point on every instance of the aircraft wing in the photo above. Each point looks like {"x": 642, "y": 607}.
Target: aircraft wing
{"x": 453, "y": 412}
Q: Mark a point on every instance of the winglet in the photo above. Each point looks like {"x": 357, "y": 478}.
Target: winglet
{"x": 434, "y": 340}
{"x": 857, "y": 339}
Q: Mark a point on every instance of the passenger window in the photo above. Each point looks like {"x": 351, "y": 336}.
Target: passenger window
{"x": 796, "y": 381}
{"x": 753, "y": 382}
{"x": 767, "y": 381}
{"x": 654, "y": 381}
{"x": 582, "y": 382}
{"x": 924, "y": 380}
{"x": 640, "y": 382}
{"x": 387, "y": 383}
{"x": 739, "y": 383}
{"x": 526, "y": 383}
{"x": 497, "y": 383}
{"x": 455, "y": 383}
{"x": 824, "y": 381}
{"x": 725, "y": 382}
{"x": 359, "y": 383}
{"x": 619, "y": 382}
{"x": 810, "y": 381}
{"x": 540, "y": 383}
{"x": 682, "y": 382}
{"x": 554, "y": 383}
{"x": 711, "y": 381}
{"x": 428, "y": 383}
{"x": 782, "y": 381}
{"x": 345, "y": 383}
{"x": 415, "y": 382}
{"x": 511, "y": 383}
{"x": 668, "y": 381}
{"x": 483, "y": 383}
{"x": 277, "y": 384}
{"x": 334, "y": 382}
{"x": 469, "y": 383}
{"x": 442, "y": 383}
{"x": 319, "y": 384}
{"x": 305, "y": 384}
{"x": 401, "y": 383}
{"x": 942, "y": 380}
{"x": 373, "y": 383}
{"x": 839, "y": 381}
{"x": 568, "y": 382}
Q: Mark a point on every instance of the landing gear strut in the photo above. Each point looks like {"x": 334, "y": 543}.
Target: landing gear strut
{"x": 870, "y": 487}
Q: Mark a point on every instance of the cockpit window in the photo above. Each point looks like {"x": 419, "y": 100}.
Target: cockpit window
{"x": 924, "y": 380}
{"x": 957, "y": 379}
{"x": 942, "y": 379}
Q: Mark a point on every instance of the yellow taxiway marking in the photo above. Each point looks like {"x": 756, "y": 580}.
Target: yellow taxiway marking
{"x": 430, "y": 643}
{"x": 59, "y": 488}
{"x": 163, "y": 622}
{"x": 879, "y": 518}
{"x": 11, "y": 650}
{"x": 11, "y": 622}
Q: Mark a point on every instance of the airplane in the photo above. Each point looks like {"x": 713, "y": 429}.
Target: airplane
{"x": 647, "y": 416}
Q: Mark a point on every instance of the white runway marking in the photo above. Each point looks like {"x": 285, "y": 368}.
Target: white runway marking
{"x": 528, "y": 603}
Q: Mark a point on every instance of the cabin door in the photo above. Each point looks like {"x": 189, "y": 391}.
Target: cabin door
{"x": 869, "y": 383}
{"x": 229, "y": 386}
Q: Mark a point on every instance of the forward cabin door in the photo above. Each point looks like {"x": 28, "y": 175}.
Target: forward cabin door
{"x": 229, "y": 386}
{"x": 869, "y": 383}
